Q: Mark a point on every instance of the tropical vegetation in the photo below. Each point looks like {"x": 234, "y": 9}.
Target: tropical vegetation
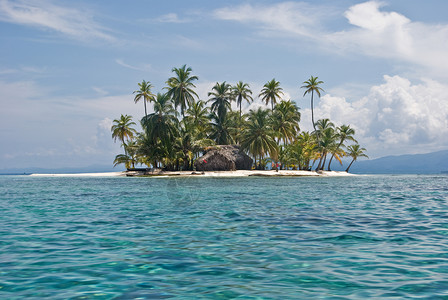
{"x": 179, "y": 127}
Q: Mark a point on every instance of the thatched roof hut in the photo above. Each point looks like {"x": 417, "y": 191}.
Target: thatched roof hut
{"x": 224, "y": 158}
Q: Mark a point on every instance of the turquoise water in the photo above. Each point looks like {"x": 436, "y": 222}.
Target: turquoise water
{"x": 382, "y": 237}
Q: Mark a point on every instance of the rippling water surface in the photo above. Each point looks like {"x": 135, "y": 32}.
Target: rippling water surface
{"x": 361, "y": 237}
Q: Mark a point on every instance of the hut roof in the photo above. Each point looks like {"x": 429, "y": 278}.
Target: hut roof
{"x": 224, "y": 158}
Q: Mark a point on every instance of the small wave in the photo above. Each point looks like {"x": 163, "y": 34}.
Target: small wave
{"x": 348, "y": 238}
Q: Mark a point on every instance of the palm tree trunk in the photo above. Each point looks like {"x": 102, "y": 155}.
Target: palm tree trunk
{"x": 144, "y": 102}
{"x": 325, "y": 159}
{"x": 346, "y": 170}
{"x": 312, "y": 110}
{"x": 241, "y": 121}
{"x": 124, "y": 147}
{"x": 336, "y": 150}
{"x": 319, "y": 166}
{"x": 312, "y": 116}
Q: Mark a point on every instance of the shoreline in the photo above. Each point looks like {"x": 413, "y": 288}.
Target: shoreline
{"x": 238, "y": 173}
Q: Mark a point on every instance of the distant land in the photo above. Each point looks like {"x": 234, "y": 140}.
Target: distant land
{"x": 430, "y": 163}
{"x": 88, "y": 169}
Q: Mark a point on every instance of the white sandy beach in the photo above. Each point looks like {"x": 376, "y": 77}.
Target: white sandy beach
{"x": 239, "y": 173}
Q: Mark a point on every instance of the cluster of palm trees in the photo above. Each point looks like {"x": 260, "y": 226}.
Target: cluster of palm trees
{"x": 182, "y": 126}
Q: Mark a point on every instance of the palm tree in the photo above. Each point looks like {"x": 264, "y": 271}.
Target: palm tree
{"x": 122, "y": 159}
{"x": 144, "y": 93}
{"x": 271, "y": 92}
{"x": 258, "y": 136}
{"x": 122, "y": 129}
{"x": 197, "y": 116}
{"x": 130, "y": 158}
{"x": 221, "y": 98}
{"x": 161, "y": 126}
{"x": 344, "y": 133}
{"x": 132, "y": 150}
{"x": 180, "y": 87}
{"x": 285, "y": 121}
{"x": 325, "y": 130}
{"x": 326, "y": 144}
{"x": 221, "y": 129}
{"x": 323, "y": 124}
{"x": 355, "y": 151}
{"x": 312, "y": 86}
{"x": 241, "y": 91}
{"x": 305, "y": 149}
{"x": 191, "y": 142}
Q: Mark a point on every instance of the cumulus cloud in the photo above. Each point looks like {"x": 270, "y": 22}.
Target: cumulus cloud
{"x": 392, "y": 35}
{"x": 46, "y": 15}
{"x": 395, "y": 117}
{"x": 369, "y": 30}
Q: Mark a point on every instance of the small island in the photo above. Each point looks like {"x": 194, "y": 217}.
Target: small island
{"x": 187, "y": 136}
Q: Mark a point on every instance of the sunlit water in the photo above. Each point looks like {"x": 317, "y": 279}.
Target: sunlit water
{"x": 383, "y": 237}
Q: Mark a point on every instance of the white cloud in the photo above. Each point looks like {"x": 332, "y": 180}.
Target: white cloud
{"x": 44, "y": 14}
{"x": 392, "y": 35}
{"x": 171, "y": 18}
{"x": 100, "y": 91}
{"x": 143, "y": 67}
{"x": 395, "y": 117}
{"x": 47, "y": 131}
{"x": 288, "y": 17}
{"x": 367, "y": 15}
{"x": 102, "y": 141}
{"x": 370, "y": 31}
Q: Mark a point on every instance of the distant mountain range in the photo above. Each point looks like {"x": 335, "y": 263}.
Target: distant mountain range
{"x": 430, "y": 163}
{"x": 89, "y": 169}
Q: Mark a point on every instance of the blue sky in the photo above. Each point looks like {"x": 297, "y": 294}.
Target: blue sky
{"x": 68, "y": 68}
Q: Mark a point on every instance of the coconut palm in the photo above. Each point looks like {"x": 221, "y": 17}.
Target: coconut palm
{"x": 221, "y": 96}
{"x": 344, "y": 133}
{"x": 132, "y": 152}
{"x": 258, "y": 136}
{"x": 149, "y": 151}
{"x": 130, "y": 158}
{"x": 326, "y": 142}
{"x": 233, "y": 119}
{"x": 180, "y": 87}
{"x": 355, "y": 151}
{"x": 271, "y": 92}
{"x": 221, "y": 129}
{"x": 323, "y": 124}
{"x": 285, "y": 121}
{"x": 144, "y": 93}
{"x": 197, "y": 115}
{"x": 312, "y": 86}
{"x": 304, "y": 149}
{"x": 161, "y": 126}
{"x": 122, "y": 159}
{"x": 191, "y": 142}
{"x": 241, "y": 91}
{"x": 122, "y": 129}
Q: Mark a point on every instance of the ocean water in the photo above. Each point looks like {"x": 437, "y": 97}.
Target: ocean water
{"x": 380, "y": 237}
